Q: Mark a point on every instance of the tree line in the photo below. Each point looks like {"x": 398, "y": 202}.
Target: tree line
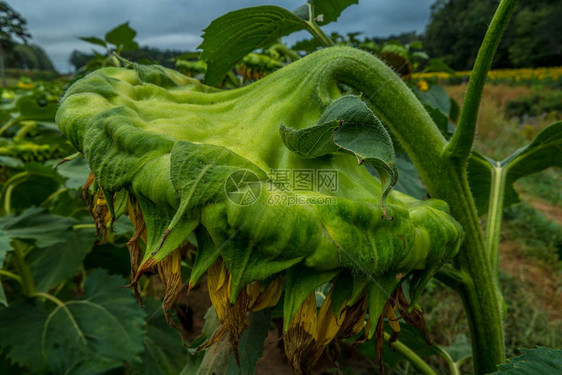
{"x": 532, "y": 38}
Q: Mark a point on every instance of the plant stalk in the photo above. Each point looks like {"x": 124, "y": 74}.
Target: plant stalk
{"x": 413, "y": 358}
{"x": 461, "y": 142}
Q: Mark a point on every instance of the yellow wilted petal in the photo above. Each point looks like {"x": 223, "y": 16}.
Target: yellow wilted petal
{"x": 327, "y": 327}
{"x": 389, "y": 314}
{"x": 269, "y": 296}
{"x": 253, "y": 291}
{"x": 217, "y": 285}
{"x": 300, "y": 333}
{"x": 135, "y": 252}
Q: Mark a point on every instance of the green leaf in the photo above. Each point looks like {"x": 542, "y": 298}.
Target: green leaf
{"x": 325, "y": 11}
{"x": 8, "y": 161}
{"x": 232, "y": 36}
{"x": 93, "y": 40}
{"x": 208, "y": 361}
{"x": 164, "y": 353}
{"x": 54, "y": 264}
{"x": 91, "y": 335}
{"x": 302, "y": 281}
{"x": 437, "y": 65}
{"x": 348, "y": 125}
{"x": 122, "y": 37}
{"x": 251, "y": 344}
{"x": 435, "y": 97}
{"x": 23, "y": 345}
{"x": 440, "y": 120}
{"x": 75, "y": 171}
{"x": 543, "y": 152}
{"x": 539, "y": 361}
{"x": 30, "y": 109}
{"x": 410, "y": 180}
{"x": 38, "y": 225}
{"x": 460, "y": 351}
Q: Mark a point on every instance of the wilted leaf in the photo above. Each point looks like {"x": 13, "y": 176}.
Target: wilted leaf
{"x": 348, "y": 125}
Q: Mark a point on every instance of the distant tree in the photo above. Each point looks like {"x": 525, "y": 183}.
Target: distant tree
{"x": 537, "y": 40}
{"x": 457, "y": 28}
{"x": 12, "y": 25}
{"x": 30, "y": 56}
{"x": 79, "y": 59}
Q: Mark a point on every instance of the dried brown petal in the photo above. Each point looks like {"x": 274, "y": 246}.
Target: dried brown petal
{"x": 169, "y": 270}
{"x": 299, "y": 335}
{"x": 135, "y": 252}
{"x": 414, "y": 318}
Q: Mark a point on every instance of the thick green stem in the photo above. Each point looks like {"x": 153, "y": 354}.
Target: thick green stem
{"x": 413, "y": 358}
{"x": 481, "y": 296}
{"x": 461, "y": 143}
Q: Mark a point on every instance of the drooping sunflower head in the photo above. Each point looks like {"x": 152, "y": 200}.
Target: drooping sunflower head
{"x": 266, "y": 181}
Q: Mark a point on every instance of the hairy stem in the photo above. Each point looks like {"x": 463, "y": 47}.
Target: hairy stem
{"x": 461, "y": 143}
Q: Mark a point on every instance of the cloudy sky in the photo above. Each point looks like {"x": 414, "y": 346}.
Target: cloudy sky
{"x": 177, "y": 24}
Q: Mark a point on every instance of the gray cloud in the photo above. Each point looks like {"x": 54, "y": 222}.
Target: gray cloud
{"x": 177, "y": 24}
